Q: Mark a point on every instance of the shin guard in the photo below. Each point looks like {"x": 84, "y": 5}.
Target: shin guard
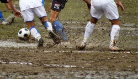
{"x": 59, "y": 29}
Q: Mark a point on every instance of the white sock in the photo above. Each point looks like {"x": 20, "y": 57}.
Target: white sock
{"x": 114, "y": 33}
{"x": 88, "y": 31}
{"x": 48, "y": 25}
{"x": 35, "y": 33}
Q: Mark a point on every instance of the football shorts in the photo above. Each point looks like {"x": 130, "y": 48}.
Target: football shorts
{"x": 110, "y": 10}
{"x": 58, "y": 5}
{"x": 28, "y": 14}
{"x": 4, "y": 1}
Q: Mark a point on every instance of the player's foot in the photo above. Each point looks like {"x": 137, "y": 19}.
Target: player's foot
{"x": 4, "y": 22}
{"x": 82, "y": 46}
{"x": 114, "y": 48}
{"x": 40, "y": 42}
{"x": 9, "y": 20}
{"x": 54, "y": 37}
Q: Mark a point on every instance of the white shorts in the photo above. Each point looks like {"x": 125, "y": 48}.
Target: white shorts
{"x": 28, "y": 14}
{"x": 110, "y": 10}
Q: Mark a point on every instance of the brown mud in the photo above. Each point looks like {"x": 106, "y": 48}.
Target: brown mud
{"x": 66, "y": 62}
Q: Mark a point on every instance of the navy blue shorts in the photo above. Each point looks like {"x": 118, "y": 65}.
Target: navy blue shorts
{"x": 4, "y": 1}
{"x": 58, "y": 5}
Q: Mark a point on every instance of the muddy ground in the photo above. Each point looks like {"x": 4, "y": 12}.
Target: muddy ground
{"x": 66, "y": 62}
{"x": 23, "y": 60}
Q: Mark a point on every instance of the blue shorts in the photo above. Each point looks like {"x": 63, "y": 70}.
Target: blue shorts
{"x": 58, "y": 5}
{"x": 4, "y": 1}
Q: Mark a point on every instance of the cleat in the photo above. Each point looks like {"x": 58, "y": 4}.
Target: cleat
{"x": 54, "y": 37}
{"x": 5, "y": 22}
{"x": 82, "y": 46}
{"x": 10, "y": 19}
{"x": 114, "y": 48}
{"x": 40, "y": 43}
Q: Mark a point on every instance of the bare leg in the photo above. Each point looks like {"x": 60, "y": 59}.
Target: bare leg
{"x": 57, "y": 25}
{"x": 54, "y": 16}
{"x": 35, "y": 33}
{"x": 30, "y": 24}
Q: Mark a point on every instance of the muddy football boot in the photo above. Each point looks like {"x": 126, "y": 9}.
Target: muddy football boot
{"x": 3, "y": 21}
{"x": 40, "y": 42}
{"x": 82, "y": 46}
{"x": 52, "y": 34}
{"x": 10, "y": 19}
{"x": 113, "y": 47}
{"x": 54, "y": 37}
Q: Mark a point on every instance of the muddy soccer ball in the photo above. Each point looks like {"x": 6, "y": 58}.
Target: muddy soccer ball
{"x": 24, "y": 34}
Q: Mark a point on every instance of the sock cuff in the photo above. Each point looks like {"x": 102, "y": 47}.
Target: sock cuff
{"x": 116, "y": 26}
{"x": 35, "y": 29}
{"x": 32, "y": 28}
{"x": 56, "y": 22}
{"x": 47, "y": 24}
{"x": 90, "y": 24}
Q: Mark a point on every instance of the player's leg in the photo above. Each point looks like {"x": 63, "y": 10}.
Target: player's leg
{"x": 46, "y": 23}
{"x": 111, "y": 12}
{"x": 88, "y": 31}
{"x": 28, "y": 16}
{"x": 1, "y": 17}
{"x": 55, "y": 10}
{"x": 96, "y": 14}
{"x": 50, "y": 30}
{"x": 33, "y": 30}
{"x": 10, "y": 19}
{"x": 42, "y": 15}
{"x": 114, "y": 34}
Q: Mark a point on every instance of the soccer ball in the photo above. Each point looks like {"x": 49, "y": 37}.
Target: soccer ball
{"x": 24, "y": 34}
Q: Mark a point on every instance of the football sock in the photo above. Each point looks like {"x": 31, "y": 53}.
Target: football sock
{"x": 1, "y": 16}
{"x": 48, "y": 25}
{"x": 88, "y": 31}
{"x": 35, "y": 33}
{"x": 60, "y": 30}
{"x": 114, "y": 33}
